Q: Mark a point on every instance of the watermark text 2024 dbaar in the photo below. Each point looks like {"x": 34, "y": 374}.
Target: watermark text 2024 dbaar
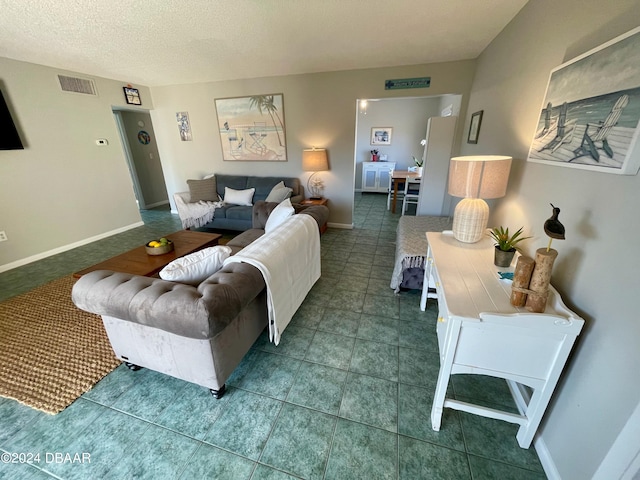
{"x": 46, "y": 457}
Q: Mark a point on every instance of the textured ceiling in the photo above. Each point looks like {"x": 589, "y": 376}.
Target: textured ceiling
{"x": 165, "y": 42}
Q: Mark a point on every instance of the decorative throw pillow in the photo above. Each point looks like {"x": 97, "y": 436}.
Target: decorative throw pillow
{"x": 238, "y": 197}
{"x": 278, "y": 215}
{"x": 279, "y": 193}
{"x": 196, "y": 267}
{"x": 203, "y": 190}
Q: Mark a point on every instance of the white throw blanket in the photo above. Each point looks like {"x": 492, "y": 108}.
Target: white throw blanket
{"x": 289, "y": 259}
{"x": 196, "y": 214}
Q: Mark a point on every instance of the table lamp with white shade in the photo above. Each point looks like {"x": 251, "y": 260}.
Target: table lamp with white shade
{"x": 475, "y": 178}
{"x": 315, "y": 160}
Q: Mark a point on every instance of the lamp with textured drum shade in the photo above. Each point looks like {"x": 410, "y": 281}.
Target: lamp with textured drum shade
{"x": 475, "y": 178}
{"x": 315, "y": 160}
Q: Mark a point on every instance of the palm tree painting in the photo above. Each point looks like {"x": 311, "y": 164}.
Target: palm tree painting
{"x": 252, "y": 128}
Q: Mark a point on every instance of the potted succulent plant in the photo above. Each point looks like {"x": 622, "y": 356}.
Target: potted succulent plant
{"x": 505, "y": 245}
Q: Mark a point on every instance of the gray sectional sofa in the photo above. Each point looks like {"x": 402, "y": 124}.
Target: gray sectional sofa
{"x": 195, "y": 333}
{"x": 238, "y": 217}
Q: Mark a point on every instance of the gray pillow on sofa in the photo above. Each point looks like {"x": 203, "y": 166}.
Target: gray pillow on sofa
{"x": 203, "y": 190}
{"x": 279, "y": 193}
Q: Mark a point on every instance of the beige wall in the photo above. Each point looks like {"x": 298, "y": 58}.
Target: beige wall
{"x": 320, "y": 110}
{"x": 62, "y": 188}
{"x": 597, "y": 266}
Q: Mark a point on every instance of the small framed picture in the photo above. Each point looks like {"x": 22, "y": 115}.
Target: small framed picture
{"x": 184, "y": 126}
{"x": 132, "y": 96}
{"x": 381, "y": 135}
{"x": 474, "y": 127}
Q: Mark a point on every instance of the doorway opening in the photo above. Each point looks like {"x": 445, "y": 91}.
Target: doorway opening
{"x": 406, "y": 121}
{"x": 143, "y": 160}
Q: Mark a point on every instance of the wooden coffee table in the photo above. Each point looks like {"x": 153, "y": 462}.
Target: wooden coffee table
{"x": 138, "y": 262}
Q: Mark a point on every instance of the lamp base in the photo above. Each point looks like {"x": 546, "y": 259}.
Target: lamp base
{"x": 470, "y": 220}
{"x": 315, "y": 186}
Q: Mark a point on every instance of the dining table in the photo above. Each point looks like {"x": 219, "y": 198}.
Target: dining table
{"x": 400, "y": 177}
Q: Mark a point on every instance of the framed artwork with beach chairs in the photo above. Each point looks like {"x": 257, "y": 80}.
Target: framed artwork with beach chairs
{"x": 252, "y": 128}
{"x": 591, "y": 112}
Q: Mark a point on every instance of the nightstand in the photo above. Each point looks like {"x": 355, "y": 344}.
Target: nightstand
{"x": 317, "y": 201}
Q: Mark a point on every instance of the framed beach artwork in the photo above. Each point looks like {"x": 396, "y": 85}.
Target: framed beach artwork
{"x": 252, "y": 128}
{"x": 381, "y": 135}
{"x": 590, "y": 117}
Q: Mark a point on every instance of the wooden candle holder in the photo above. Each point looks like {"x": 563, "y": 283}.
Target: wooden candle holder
{"x": 540, "y": 279}
{"x": 521, "y": 279}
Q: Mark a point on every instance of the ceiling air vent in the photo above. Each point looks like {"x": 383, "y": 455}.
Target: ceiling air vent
{"x": 77, "y": 85}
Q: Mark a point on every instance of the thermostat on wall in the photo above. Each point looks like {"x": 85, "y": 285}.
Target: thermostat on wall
{"x": 101, "y": 142}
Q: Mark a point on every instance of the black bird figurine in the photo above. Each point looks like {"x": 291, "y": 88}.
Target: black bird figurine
{"x": 553, "y": 228}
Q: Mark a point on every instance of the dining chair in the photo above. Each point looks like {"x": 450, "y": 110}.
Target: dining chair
{"x": 390, "y": 190}
{"x": 411, "y": 193}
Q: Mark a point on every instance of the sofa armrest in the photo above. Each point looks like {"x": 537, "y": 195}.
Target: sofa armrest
{"x": 320, "y": 213}
{"x": 194, "y": 215}
{"x": 194, "y": 312}
{"x": 182, "y": 199}
{"x": 262, "y": 210}
{"x": 260, "y": 213}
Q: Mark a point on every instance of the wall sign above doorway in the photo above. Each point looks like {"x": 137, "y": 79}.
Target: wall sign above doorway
{"x": 402, "y": 83}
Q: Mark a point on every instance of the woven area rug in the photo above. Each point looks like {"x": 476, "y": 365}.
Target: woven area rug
{"x": 51, "y": 352}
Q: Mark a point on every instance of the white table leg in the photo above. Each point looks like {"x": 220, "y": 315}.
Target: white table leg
{"x": 446, "y": 365}
{"x": 425, "y": 291}
{"x": 439, "y": 396}
{"x": 428, "y": 265}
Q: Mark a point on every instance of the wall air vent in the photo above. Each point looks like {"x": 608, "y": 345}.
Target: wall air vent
{"x": 77, "y": 85}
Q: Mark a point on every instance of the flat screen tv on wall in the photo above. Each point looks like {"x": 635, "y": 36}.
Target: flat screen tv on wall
{"x": 9, "y": 138}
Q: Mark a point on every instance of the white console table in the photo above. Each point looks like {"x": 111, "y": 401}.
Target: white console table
{"x": 480, "y": 332}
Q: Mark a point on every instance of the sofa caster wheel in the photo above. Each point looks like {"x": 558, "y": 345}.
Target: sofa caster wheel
{"x": 217, "y": 394}
{"x": 132, "y": 366}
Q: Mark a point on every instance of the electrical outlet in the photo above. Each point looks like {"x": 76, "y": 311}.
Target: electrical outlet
{"x": 3, "y": 237}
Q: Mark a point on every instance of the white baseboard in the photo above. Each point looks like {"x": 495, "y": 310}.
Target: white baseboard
{"x": 345, "y": 226}
{"x": 64, "y": 248}
{"x": 547, "y": 462}
{"x": 157, "y": 204}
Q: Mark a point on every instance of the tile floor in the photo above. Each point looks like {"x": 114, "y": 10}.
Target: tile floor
{"x": 346, "y": 395}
